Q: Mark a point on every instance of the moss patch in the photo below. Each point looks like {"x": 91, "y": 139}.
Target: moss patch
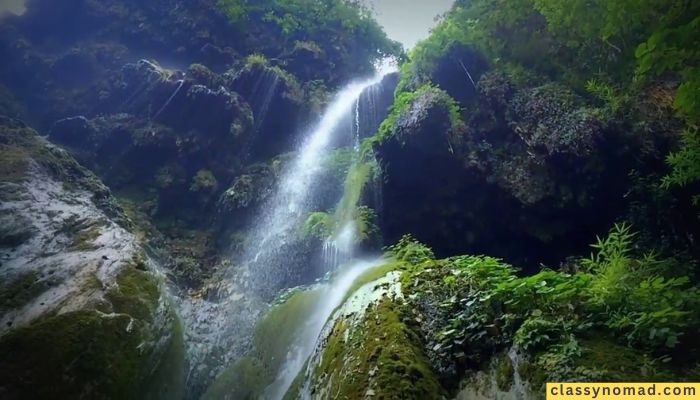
{"x": 504, "y": 372}
{"x": 13, "y": 163}
{"x": 136, "y": 294}
{"x": 245, "y": 380}
{"x": 20, "y": 290}
{"x": 275, "y": 332}
{"x": 380, "y": 357}
{"x": 76, "y": 355}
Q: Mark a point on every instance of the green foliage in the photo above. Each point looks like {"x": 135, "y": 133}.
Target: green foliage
{"x": 608, "y": 94}
{"x": 343, "y": 32}
{"x": 256, "y": 59}
{"x": 410, "y": 250}
{"x": 645, "y": 300}
{"x": 685, "y": 163}
{"x": 319, "y": 225}
{"x": 406, "y": 105}
{"x": 612, "y": 251}
{"x": 366, "y": 222}
{"x": 479, "y": 306}
{"x": 674, "y": 49}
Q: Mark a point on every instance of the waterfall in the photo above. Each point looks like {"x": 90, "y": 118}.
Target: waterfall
{"x": 222, "y": 332}
{"x": 268, "y": 254}
{"x": 332, "y": 294}
{"x": 180, "y": 83}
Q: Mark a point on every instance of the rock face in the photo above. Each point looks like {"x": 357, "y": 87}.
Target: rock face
{"x": 81, "y": 308}
{"x": 468, "y": 327}
{"x": 531, "y": 174}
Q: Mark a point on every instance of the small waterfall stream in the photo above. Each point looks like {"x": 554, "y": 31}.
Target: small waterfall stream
{"x": 269, "y": 254}
{"x": 285, "y": 214}
{"x": 331, "y": 295}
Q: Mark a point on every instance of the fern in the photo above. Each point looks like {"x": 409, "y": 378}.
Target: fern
{"x": 685, "y": 163}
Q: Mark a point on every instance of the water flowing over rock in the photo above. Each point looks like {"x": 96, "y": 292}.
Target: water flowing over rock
{"x": 274, "y": 255}
{"x": 268, "y": 258}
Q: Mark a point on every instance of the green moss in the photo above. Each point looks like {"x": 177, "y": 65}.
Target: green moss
{"x": 14, "y": 162}
{"x": 202, "y": 75}
{"x": 504, "y": 372}
{"x": 408, "y": 103}
{"x": 245, "y": 380}
{"x": 136, "y": 294}
{"x": 168, "y": 378}
{"x": 355, "y": 182}
{"x": 319, "y": 225}
{"x": 256, "y": 59}
{"x": 74, "y": 355}
{"x": 287, "y": 316}
{"x": 348, "y": 208}
{"x": 204, "y": 180}
{"x": 274, "y": 333}
{"x": 84, "y": 240}
{"x": 624, "y": 364}
{"x": 381, "y": 355}
{"x": 322, "y": 225}
{"x": 19, "y": 290}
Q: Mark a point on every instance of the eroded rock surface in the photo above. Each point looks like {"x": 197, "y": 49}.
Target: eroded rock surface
{"x": 79, "y": 296}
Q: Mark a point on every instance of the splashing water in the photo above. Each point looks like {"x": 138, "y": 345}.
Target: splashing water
{"x": 263, "y": 92}
{"x": 267, "y": 253}
{"x": 223, "y": 330}
{"x": 333, "y": 293}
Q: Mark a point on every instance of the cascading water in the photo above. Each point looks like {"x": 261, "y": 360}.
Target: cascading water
{"x": 331, "y": 295}
{"x": 267, "y": 254}
{"x": 274, "y": 253}
{"x": 285, "y": 215}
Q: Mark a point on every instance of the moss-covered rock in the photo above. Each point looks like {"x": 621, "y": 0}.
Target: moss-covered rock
{"x": 81, "y": 306}
{"x": 504, "y": 170}
{"x": 277, "y": 102}
{"x": 88, "y": 353}
{"x": 379, "y": 358}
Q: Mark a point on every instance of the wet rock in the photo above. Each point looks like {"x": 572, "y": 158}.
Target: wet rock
{"x": 77, "y": 293}
{"x": 522, "y": 179}
{"x": 458, "y": 71}
{"x": 14, "y": 230}
{"x": 276, "y": 99}
{"x": 72, "y": 131}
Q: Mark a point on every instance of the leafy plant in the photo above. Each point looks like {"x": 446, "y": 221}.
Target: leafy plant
{"x": 608, "y": 94}
{"x": 410, "y": 250}
{"x": 685, "y": 163}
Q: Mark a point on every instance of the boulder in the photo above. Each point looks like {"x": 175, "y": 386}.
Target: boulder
{"x": 82, "y": 314}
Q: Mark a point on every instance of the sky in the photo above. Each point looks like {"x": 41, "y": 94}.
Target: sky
{"x": 11, "y": 6}
{"x": 408, "y": 21}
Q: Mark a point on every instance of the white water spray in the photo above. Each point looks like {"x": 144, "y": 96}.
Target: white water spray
{"x": 332, "y": 294}
{"x": 284, "y": 214}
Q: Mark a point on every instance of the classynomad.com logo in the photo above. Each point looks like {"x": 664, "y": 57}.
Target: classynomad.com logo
{"x": 623, "y": 391}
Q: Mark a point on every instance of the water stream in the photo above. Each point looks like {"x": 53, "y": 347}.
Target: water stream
{"x": 267, "y": 254}
{"x": 330, "y": 294}
{"x": 270, "y": 253}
